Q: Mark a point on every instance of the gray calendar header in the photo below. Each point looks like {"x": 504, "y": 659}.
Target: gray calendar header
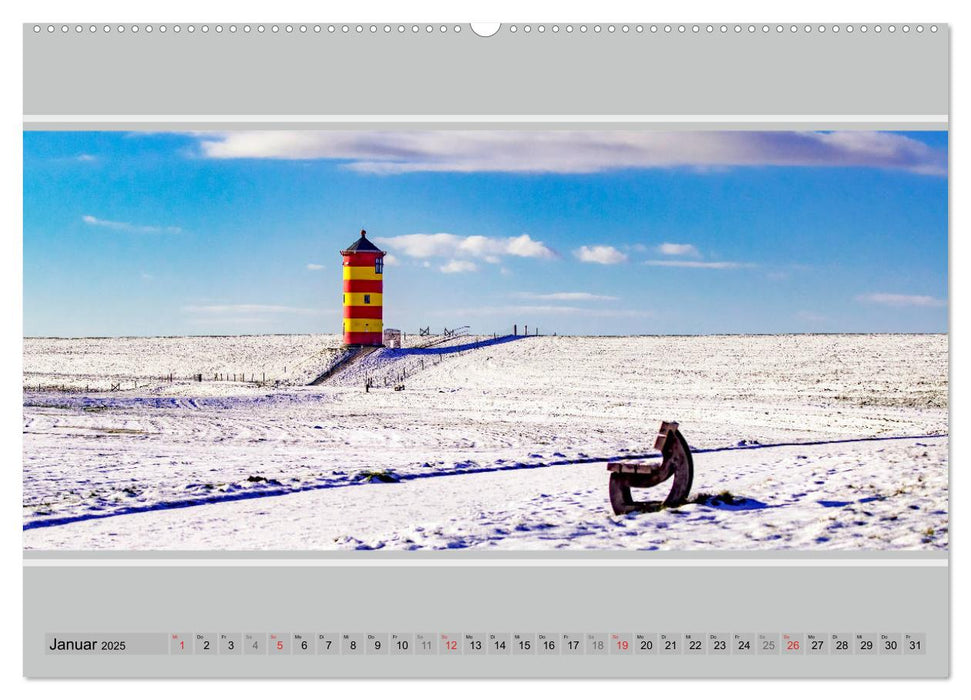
{"x": 389, "y": 71}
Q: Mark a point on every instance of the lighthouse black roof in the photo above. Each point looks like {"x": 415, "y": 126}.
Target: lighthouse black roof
{"x": 362, "y": 245}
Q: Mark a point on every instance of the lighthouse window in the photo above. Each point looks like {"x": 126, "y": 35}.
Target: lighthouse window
{"x": 379, "y": 266}
{"x": 367, "y": 298}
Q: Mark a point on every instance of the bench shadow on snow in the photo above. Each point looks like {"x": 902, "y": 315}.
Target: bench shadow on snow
{"x": 727, "y": 501}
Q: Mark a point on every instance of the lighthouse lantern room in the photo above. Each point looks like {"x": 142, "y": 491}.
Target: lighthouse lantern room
{"x": 363, "y": 274}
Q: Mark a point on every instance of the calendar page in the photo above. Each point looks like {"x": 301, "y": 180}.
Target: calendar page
{"x": 512, "y": 350}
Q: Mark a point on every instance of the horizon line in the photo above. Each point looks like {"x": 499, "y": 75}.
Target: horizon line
{"x": 541, "y": 335}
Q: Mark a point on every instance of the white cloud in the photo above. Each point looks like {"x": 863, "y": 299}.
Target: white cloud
{"x": 678, "y": 249}
{"x": 212, "y": 321}
{"x": 901, "y": 300}
{"x": 525, "y": 247}
{"x": 86, "y": 158}
{"x": 450, "y": 245}
{"x": 314, "y": 266}
{"x": 127, "y": 226}
{"x": 455, "y": 266}
{"x": 602, "y": 254}
{"x": 147, "y": 276}
{"x": 540, "y": 310}
{"x": 391, "y": 260}
{"x": 390, "y": 152}
{"x": 566, "y": 296}
{"x": 699, "y": 264}
{"x": 249, "y": 309}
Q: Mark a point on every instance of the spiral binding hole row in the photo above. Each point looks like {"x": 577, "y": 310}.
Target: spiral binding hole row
{"x": 512, "y": 29}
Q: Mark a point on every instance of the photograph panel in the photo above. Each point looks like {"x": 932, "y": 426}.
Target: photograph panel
{"x": 485, "y": 340}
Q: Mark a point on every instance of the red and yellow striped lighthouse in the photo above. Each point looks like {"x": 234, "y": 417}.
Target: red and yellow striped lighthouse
{"x": 363, "y": 275}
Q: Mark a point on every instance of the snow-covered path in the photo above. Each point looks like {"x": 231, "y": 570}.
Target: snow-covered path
{"x": 806, "y": 497}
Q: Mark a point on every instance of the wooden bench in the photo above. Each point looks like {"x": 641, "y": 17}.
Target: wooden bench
{"x": 675, "y": 462}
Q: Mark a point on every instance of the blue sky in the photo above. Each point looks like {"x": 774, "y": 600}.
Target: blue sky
{"x": 574, "y": 232}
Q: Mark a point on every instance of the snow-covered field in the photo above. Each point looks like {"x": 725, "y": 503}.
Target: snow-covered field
{"x": 97, "y": 363}
{"x": 501, "y": 447}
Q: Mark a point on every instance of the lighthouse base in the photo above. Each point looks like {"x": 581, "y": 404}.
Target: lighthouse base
{"x": 364, "y": 338}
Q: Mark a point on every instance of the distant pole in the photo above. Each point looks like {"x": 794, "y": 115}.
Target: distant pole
{"x": 515, "y": 329}
{"x": 525, "y": 330}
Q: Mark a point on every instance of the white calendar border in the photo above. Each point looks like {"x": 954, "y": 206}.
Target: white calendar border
{"x": 492, "y": 563}
{"x": 586, "y": 119}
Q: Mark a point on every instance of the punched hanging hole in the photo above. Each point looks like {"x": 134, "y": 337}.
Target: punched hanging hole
{"x": 485, "y": 29}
